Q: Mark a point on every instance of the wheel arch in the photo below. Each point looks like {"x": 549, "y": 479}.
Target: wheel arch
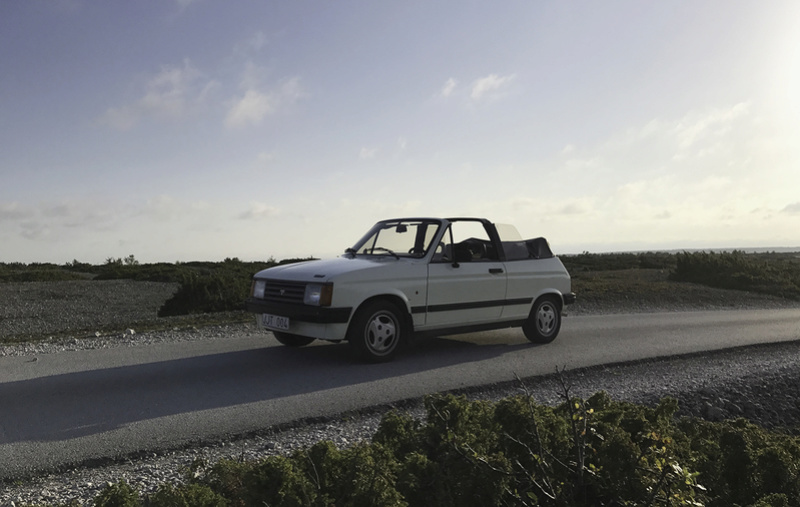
{"x": 555, "y": 295}
{"x": 396, "y": 299}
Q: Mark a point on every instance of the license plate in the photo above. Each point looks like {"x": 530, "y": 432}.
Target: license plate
{"x": 275, "y": 322}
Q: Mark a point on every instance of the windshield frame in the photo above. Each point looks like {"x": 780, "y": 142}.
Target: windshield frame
{"x": 423, "y": 228}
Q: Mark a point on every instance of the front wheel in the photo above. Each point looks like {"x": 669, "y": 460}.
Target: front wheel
{"x": 292, "y": 340}
{"x": 544, "y": 321}
{"x": 376, "y": 332}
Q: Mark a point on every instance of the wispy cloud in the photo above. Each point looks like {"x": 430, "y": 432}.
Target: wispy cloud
{"x": 448, "y": 88}
{"x": 254, "y": 105}
{"x": 257, "y": 41}
{"x": 696, "y": 127}
{"x": 250, "y": 109}
{"x": 169, "y": 94}
{"x": 792, "y": 209}
{"x": 696, "y": 144}
{"x": 13, "y": 211}
{"x": 259, "y": 211}
{"x": 73, "y": 217}
{"x": 490, "y": 86}
{"x": 367, "y": 153}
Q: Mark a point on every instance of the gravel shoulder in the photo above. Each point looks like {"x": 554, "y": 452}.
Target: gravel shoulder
{"x": 752, "y": 382}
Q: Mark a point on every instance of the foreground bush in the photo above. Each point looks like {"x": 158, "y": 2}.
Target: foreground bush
{"x": 512, "y": 453}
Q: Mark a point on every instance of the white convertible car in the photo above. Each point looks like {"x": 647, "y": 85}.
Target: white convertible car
{"x": 420, "y": 276}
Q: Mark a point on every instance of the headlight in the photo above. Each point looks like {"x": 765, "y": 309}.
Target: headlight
{"x": 258, "y": 288}
{"x": 318, "y": 294}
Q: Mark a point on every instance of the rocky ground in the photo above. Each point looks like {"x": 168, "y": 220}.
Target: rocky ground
{"x": 759, "y": 383}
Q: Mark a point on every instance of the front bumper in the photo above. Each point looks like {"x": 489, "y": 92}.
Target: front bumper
{"x": 301, "y": 313}
{"x": 569, "y": 298}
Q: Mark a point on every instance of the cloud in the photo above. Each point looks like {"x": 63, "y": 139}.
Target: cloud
{"x": 448, "y": 88}
{"x": 792, "y": 209}
{"x": 490, "y": 85}
{"x": 722, "y": 141}
{"x": 169, "y": 94}
{"x": 573, "y": 208}
{"x": 162, "y": 207}
{"x": 257, "y": 41}
{"x": 13, "y": 211}
{"x": 253, "y": 44}
{"x": 265, "y": 157}
{"x": 694, "y": 128}
{"x": 251, "y": 108}
{"x": 259, "y": 211}
{"x": 65, "y": 219}
{"x": 33, "y": 229}
{"x": 552, "y": 207}
{"x": 367, "y": 153}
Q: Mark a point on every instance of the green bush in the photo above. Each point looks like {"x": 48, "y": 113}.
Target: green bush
{"x": 212, "y": 287}
{"x": 187, "y": 495}
{"x": 118, "y": 495}
{"x": 512, "y": 453}
{"x": 206, "y": 294}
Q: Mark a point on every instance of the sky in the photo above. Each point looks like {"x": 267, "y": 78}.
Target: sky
{"x": 181, "y": 130}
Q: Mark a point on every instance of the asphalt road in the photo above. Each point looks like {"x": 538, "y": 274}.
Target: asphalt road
{"x": 73, "y": 406}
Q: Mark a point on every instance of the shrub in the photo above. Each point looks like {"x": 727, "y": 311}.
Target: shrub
{"x": 117, "y": 495}
{"x": 513, "y": 452}
{"x": 205, "y": 294}
{"x": 188, "y": 495}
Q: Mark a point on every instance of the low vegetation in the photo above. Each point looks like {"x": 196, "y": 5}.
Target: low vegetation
{"x": 214, "y": 292}
{"x": 776, "y": 274}
{"x": 652, "y": 275}
{"x": 513, "y": 452}
{"x": 222, "y": 286}
{"x": 205, "y": 287}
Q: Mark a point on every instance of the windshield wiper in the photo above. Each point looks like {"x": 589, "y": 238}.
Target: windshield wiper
{"x": 382, "y": 249}
{"x": 350, "y": 251}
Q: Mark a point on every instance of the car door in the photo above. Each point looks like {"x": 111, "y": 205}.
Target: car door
{"x": 466, "y": 281}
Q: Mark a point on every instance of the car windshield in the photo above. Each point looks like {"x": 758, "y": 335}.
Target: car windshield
{"x": 398, "y": 238}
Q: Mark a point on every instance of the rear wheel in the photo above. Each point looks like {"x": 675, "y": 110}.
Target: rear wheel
{"x": 544, "y": 322}
{"x": 376, "y": 331}
{"x": 292, "y": 340}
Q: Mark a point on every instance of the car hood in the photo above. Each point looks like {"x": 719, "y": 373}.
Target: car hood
{"x": 326, "y": 270}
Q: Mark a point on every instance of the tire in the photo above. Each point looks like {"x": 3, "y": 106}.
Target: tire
{"x": 544, "y": 322}
{"x": 292, "y": 340}
{"x": 377, "y": 331}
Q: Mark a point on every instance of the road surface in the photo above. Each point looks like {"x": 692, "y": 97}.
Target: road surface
{"x": 75, "y": 406}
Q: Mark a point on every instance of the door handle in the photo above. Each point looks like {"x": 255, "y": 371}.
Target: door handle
{"x": 495, "y": 271}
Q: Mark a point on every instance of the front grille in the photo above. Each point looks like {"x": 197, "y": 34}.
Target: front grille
{"x": 279, "y": 291}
